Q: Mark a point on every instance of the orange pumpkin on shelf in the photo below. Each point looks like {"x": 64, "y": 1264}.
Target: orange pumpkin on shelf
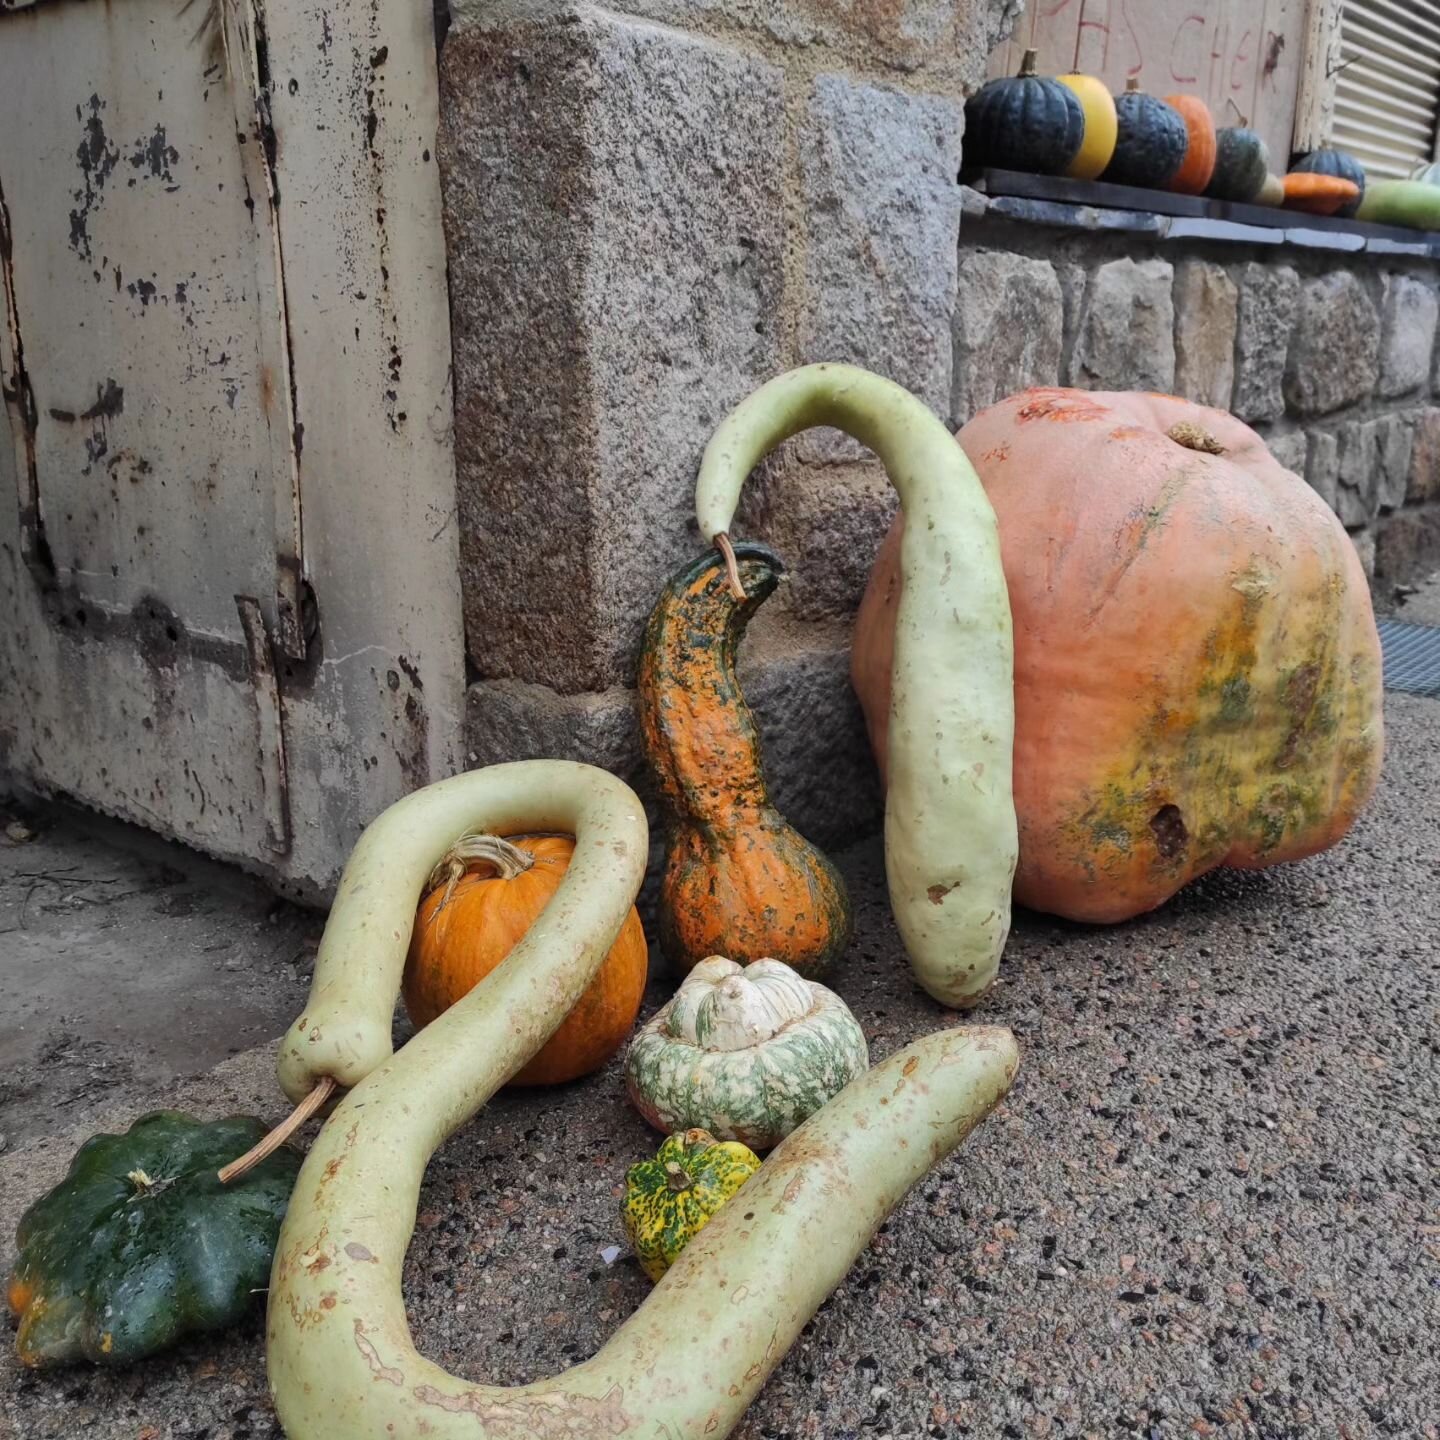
{"x": 1197, "y": 669}
{"x": 1317, "y": 194}
{"x": 1199, "y": 163}
{"x": 482, "y": 897}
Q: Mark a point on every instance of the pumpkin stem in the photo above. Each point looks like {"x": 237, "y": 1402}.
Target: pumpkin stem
{"x": 1132, "y": 85}
{"x": 1027, "y": 66}
{"x": 508, "y": 860}
{"x": 268, "y": 1144}
{"x": 1195, "y": 437}
{"x": 145, "y": 1186}
{"x": 675, "y": 1176}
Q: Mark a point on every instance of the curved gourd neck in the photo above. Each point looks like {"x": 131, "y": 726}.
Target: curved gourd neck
{"x": 950, "y": 835}
{"x": 918, "y": 452}
{"x": 700, "y": 731}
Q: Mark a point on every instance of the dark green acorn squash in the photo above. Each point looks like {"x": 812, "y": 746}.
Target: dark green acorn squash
{"x": 1023, "y": 122}
{"x": 141, "y": 1244}
{"x": 1152, "y": 140}
{"x": 1242, "y": 163}
{"x": 1340, "y": 163}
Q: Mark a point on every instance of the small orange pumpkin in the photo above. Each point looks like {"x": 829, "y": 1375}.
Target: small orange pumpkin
{"x": 1317, "y": 194}
{"x": 1199, "y": 163}
{"x": 482, "y": 897}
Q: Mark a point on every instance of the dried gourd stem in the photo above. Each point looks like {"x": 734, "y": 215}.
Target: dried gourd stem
{"x": 324, "y": 1088}
{"x": 723, "y": 545}
{"x": 508, "y": 860}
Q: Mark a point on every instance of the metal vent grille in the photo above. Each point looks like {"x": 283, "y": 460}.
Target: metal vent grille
{"x": 1412, "y": 657}
{"x": 1387, "y": 91}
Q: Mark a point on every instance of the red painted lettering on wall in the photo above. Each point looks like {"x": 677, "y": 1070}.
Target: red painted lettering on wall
{"x": 1139, "y": 63}
{"x": 1241, "y": 58}
{"x": 1175, "y": 43}
{"x": 1103, "y": 26}
{"x": 1217, "y": 53}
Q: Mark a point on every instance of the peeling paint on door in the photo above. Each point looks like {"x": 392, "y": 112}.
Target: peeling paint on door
{"x": 225, "y": 365}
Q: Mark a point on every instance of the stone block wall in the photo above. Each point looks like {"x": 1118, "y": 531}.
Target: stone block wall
{"x": 654, "y": 207}
{"x": 651, "y": 209}
{"x": 1332, "y": 358}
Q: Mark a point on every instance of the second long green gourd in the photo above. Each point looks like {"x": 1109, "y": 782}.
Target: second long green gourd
{"x": 950, "y": 836}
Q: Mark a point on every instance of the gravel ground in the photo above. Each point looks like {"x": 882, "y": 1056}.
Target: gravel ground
{"x": 126, "y": 963}
{"x": 1209, "y": 1206}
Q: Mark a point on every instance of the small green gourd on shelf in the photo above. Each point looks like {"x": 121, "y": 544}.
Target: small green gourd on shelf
{"x": 1242, "y": 167}
{"x": 1152, "y": 140}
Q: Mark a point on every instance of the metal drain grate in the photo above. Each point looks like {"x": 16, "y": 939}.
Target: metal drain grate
{"x": 1412, "y": 657}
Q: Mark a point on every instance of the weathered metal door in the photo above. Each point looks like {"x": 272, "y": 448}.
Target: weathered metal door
{"x": 230, "y": 566}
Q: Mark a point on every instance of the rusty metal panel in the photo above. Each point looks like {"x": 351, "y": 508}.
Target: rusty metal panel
{"x": 301, "y": 217}
{"x": 1242, "y": 57}
{"x": 142, "y": 282}
{"x": 354, "y": 101}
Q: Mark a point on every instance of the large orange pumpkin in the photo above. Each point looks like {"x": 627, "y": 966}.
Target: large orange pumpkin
{"x": 482, "y": 898}
{"x": 1197, "y": 669}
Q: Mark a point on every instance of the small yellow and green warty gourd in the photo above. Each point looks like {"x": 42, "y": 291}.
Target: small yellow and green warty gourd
{"x": 747, "y": 1052}
{"x": 670, "y": 1199}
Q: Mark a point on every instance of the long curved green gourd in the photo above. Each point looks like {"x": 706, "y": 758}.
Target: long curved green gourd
{"x": 341, "y": 1361}
{"x": 950, "y": 838}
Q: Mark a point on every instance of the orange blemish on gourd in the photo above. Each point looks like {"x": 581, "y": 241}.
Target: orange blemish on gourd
{"x": 19, "y": 1293}
{"x": 1057, "y": 404}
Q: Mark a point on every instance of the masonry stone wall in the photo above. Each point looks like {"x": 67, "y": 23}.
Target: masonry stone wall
{"x": 1331, "y": 357}
{"x": 651, "y": 209}
{"x": 654, "y": 207}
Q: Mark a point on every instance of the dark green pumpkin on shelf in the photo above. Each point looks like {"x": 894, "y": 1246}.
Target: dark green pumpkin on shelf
{"x": 141, "y": 1245}
{"x": 1151, "y": 141}
{"x": 1025, "y": 122}
{"x": 1339, "y": 163}
{"x": 1242, "y": 165}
